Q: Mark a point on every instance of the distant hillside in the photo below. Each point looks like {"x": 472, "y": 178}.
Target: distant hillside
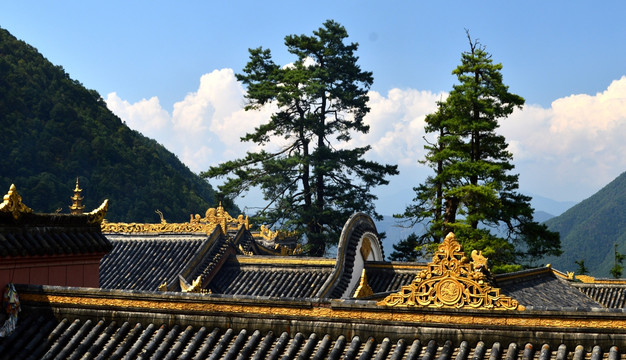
{"x": 54, "y": 130}
{"x": 589, "y": 230}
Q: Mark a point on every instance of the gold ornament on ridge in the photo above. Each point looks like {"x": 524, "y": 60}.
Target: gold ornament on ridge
{"x": 451, "y": 281}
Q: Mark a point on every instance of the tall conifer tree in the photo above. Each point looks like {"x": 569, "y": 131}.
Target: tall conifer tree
{"x": 313, "y": 183}
{"x": 472, "y": 192}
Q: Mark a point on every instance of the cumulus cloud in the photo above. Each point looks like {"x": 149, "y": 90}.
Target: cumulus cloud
{"x": 566, "y": 151}
{"x": 573, "y": 148}
{"x": 203, "y": 128}
{"x": 145, "y": 116}
{"x": 397, "y": 124}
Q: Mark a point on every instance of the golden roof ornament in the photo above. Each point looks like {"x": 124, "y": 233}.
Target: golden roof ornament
{"x": 364, "y": 288}
{"x": 77, "y": 207}
{"x": 97, "y": 215}
{"x": 451, "y": 281}
{"x": 195, "y": 287}
{"x": 12, "y": 203}
{"x": 206, "y": 224}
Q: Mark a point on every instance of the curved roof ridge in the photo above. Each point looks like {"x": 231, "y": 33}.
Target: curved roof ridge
{"x": 340, "y": 278}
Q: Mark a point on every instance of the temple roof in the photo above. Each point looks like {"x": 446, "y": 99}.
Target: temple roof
{"x": 544, "y": 288}
{"x": 257, "y": 300}
{"x": 270, "y": 276}
{"x": 71, "y": 337}
{"x": 60, "y": 322}
{"x": 24, "y": 233}
{"x": 165, "y": 255}
{"x": 234, "y": 262}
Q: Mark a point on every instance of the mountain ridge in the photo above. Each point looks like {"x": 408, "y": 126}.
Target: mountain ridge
{"x": 590, "y": 229}
{"x": 55, "y": 130}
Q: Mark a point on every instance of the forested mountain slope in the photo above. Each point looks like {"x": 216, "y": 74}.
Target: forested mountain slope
{"x": 590, "y": 229}
{"x": 55, "y": 130}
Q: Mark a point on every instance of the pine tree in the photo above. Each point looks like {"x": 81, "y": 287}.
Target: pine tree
{"x": 407, "y": 249}
{"x": 472, "y": 192}
{"x": 314, "y": 182}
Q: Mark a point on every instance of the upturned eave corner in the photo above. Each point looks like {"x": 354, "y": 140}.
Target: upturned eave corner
{"x": 452, "y": 281}
{"x": 97, "y": 215}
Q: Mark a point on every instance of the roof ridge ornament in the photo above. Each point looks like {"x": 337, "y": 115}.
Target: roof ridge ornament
{"x": 97, "y": 215}
{"x": 13, "y": 203}
{"x": 451, "y": 281}
{"x": 364, "y": 289}
{"x": 77, "y": 207}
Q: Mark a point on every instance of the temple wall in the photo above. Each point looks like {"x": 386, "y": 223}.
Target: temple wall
{"x": 51, "y": 270}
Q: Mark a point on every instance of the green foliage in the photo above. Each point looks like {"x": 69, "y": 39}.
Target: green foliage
{"x": 582, "y": 269}
{"x": 617, "y": 269}
{"x": 55, "y": 130}
{"x": 409, "y": 249}
{"x": 591, "y": 228}
{"x": 313, "y": 183}
{"x": 472, "y": 192}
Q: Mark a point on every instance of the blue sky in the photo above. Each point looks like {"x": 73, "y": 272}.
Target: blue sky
{"x": 166, "y": 68}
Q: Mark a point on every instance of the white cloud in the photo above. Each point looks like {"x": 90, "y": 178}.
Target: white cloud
{"x": 204, "y": 128}
{"x": 572, "y": 149}
{"x": 397, "y": 124}
{"x": 145, "y": 116}
{"x": 564, "y": 152}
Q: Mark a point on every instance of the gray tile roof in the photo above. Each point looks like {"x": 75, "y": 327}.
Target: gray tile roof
{"x": 45, "y": 337}
{"x": 143, "y": 262}
{"x": 269, "y": 279}
{"x": 50, "y": 234}
{"x": 541, "y": 288}
{"x": 385, "y": 277}
{"x": 609, "y": 295}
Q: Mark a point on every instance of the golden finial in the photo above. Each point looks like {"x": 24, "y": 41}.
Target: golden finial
{"x": 77, "y": 207}
{"x": 364, "y": 288}
{"x": 13, "y": 203}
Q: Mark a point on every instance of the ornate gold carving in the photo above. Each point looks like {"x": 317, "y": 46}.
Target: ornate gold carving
{"x": 586, "y": 279}
{"x": 570, "y": 275}
{"x": 450, "y": 281}
{"x": 207, "y": 224}
{"x": 286, "y": 251}
{"x": 163, "y": 287}
{"x": 591, "y": 280}
{"x": 267, "y": 234}
{"x": 195, "y": 287}
{"x": 219, "y": 216}
{"x": 479, "y": 260}
{"x": 364, "y": 288}
{"x": 285, "y": 261}
{"x": 13, "y": 203}
{"x": 366, "y": 248}
{"x": 155, "y": 228}
{"x": 97, "y": 215}
{"x": 243, "y": 251}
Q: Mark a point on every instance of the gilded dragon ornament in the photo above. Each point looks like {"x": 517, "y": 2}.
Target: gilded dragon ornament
{"x": 452, "y": 281}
